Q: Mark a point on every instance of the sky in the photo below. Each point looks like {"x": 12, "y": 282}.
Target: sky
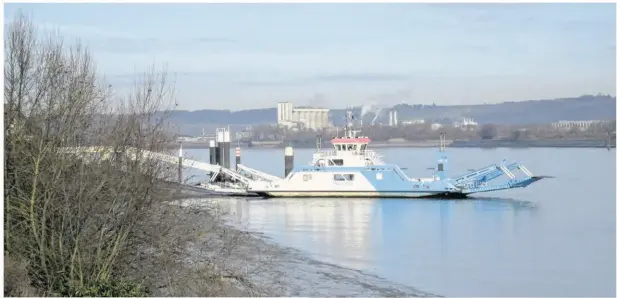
{"x": 244, "y": 56}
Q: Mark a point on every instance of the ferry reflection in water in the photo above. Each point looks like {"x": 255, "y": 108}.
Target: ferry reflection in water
{"x": 429, "y": 244}
{"x": 334, "y": 231}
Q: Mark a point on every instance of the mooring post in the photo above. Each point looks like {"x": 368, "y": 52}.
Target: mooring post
{"x": 289, "y": 160}
{"x": 237, "y": 157}
{"x": 180, "y": 164}
{"x": 212, "y": 152}
{"x": 227, "y": 148}
{"x": 219, "y": 147}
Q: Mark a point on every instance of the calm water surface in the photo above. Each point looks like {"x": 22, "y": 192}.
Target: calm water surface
{"x": 554, "y": 238}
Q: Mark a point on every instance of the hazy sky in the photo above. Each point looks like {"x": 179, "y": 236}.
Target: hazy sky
{"x": 239, "y": 56}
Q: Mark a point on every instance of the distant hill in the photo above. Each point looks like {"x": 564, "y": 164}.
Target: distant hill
{"x": 587, "y": 107}
{"x": 524, "y": 112}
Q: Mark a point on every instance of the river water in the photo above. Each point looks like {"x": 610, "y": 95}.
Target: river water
{"x": 554, "y": 238}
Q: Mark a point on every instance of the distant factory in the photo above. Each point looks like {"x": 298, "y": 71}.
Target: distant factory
{"x": 413, "y": 122}
{"x": 302, "y": 117}
{"x": 466, "y": 124}
{"x": 393, "y": 118}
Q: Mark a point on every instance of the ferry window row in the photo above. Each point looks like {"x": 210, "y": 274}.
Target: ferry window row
{"x": 331, "y": 162}
{"x": 349, "y": 147}
{"x": 343, "y": 177}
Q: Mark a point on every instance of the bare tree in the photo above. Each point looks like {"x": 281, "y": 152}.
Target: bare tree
{"x": 86, "y": 207}
{"x": 72, "y": 220}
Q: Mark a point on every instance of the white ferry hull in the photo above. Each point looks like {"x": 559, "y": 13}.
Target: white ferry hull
{"x": 350, "y": 194}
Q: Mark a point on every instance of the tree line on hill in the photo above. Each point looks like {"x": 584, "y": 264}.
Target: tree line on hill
{"x": 532, "y": 112}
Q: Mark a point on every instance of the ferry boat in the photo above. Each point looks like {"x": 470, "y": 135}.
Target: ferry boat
{"x": 352, "y": 170}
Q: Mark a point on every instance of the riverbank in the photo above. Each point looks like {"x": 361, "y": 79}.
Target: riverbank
{"x": 221, "y": 260}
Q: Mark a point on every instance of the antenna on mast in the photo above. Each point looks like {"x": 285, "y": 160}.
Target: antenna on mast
{"x": 349, "y": 123}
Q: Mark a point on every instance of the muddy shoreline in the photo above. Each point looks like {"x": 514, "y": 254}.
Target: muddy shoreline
{"x": 251, "y": 264}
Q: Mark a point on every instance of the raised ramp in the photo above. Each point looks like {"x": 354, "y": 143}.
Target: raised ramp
{"x": 236, "y": 176}
{"x": 261, "y": 175}
{"x": 478, "y": 181}
{"x": 512, "y": 184}
{"x": 490, "y": 173}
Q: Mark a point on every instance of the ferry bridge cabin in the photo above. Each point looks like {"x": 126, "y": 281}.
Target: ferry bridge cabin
{"x": 348, "y": 152}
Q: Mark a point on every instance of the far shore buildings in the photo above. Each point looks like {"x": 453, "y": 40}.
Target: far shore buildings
{"x": 580, "y": 125}
{"x": 306, "y": 117}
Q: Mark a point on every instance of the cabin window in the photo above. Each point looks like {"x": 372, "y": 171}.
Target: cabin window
{"x": 338, "y": 147}
{"x": 338, "y": 162}
{"x": 363, "y": 147}
{"x": 320, "y": 163}
{"x": 354, "y": 147}
{"x": 339, "y": 177}
{"x": 440, "y": 167}
{"x": 330, "y": 163}
{"x": 307, "y": 177}
{"x": 343, "y": 177}
{"x": 349, "y": 147}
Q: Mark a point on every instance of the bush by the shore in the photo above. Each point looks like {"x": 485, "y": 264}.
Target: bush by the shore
{"x": 92, "y": 224}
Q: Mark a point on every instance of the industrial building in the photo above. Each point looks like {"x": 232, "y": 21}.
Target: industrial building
{"x": 466, "y": 123}
{"x": 309, "y": 118}
{"x": 284, "y": 112}
{"x": 393, "y": 118}
{"x": 413, "y": 122}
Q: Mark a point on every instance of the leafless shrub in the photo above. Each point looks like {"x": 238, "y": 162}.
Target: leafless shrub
{"x": 77, "y": 218}
{"x": 17, "y": 281}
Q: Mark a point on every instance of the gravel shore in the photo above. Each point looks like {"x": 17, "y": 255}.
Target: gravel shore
{"x": 250, "y": 264}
